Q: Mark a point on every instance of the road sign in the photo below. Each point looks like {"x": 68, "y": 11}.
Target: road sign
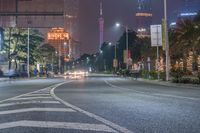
{"x": 115, "y": 63}
{"x": 156, "y": 35}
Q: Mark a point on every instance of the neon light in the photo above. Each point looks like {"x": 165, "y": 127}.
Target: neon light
{"x": 144, "y": 14}
{"x": 58, "y": 34}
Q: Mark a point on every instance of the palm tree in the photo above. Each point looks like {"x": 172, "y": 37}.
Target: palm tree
{"x": 185, "y": 38}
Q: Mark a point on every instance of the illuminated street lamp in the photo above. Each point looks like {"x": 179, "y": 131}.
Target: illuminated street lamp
{"x": 127, "y": 53}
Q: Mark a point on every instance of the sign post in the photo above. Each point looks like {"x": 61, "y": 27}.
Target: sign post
{"x": 156, "y": 41}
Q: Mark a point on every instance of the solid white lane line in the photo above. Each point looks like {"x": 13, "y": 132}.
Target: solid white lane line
{"x": 30, "y": 102}
{"x": 153, "y": 94}
{"x": 29, "y": 98}
{"x": 99, "y": 118}
{"x": 36, "y": 110}
{"x": 37, "y": 94}
{"x": 59, "y": 125}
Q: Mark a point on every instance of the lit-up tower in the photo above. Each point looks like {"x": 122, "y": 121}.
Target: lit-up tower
{"x": 143, "y": 17}
{"x": 101, "y": 26}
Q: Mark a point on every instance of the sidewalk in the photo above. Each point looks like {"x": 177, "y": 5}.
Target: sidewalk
{"x": 4, "y": 79}
{"x": 13, "y": 79}
{"x": 168, "y": 83}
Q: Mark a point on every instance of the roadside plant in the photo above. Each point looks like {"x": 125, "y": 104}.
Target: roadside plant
{"x": 177, "y": 74}
{"x": 198, "y": 76}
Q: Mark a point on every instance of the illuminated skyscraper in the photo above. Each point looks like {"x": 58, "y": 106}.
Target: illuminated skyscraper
{"x": 101, "y": 26}
{"x": 143, "y": 17}
{"x": 188, "y": 9}
{"x": 71, "y": 19}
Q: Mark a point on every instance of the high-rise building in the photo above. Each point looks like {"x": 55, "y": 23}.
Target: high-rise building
{"x": 143, "y": 17}
{"x": 71, "y": 8}
{"x": 101, "y": 26}
{"x": 188, "y": 9}
{"x": 42, "y": 14}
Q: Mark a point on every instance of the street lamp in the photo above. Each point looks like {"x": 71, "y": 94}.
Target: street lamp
{"x": 127, "y": 53}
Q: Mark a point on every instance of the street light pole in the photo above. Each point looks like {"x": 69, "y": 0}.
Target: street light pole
{"x": 166, "y": 42}
{"x": 127, "y": 56}
{"x": 116, "y": 57}
{"x": 28, "y": 54}
{"x": 127, "y": 38}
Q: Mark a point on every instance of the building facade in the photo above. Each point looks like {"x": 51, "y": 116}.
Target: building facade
{"x": 43, "y": 15}
{"x": 187, "y": 10}
{"x": 143, "y": 17}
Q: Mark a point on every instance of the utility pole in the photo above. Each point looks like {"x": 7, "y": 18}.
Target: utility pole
{"x": 127, "y": 53}
{"x": 166, "y": 42}
{"x": 28, "y": 56}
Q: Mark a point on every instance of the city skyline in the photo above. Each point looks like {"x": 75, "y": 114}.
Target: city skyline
{"x": 114, "y": 11}
{"x": 123, "y": 12}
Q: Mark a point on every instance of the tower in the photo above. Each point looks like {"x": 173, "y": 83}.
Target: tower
{"x": 143, "y": 17}
{"x": 101, "y": 26}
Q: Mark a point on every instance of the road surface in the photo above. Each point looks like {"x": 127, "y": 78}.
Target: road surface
{"x": 97, "y": 104}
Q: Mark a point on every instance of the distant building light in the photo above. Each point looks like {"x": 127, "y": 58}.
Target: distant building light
{"x": 141, "y": 30}
{"x": 143, "y": 14}
{"x": 58, "y": 34}
{"x": 173, "y": 24}
{"x": 188, "y": 14}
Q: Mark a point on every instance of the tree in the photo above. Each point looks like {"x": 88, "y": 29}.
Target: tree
{"x": 184, "y": 38}
{"x": 16, "y": 45}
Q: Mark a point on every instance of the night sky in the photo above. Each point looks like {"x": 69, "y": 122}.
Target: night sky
{"x": 114, "y": 11}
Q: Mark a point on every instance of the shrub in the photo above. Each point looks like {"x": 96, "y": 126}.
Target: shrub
{"x": 145, "y": 74}
{"x": 163, "y": 76}
{"x": 198, "y": 76}
{"x": 153, "y": 74}
{"x": 177, "y": 75}
{"x": 185, "y": 80}
{"x": 1, "y": 73}
{"x": 195, "y": 81}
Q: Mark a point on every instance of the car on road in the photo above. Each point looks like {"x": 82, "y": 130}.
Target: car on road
{"x": 11, "y": 73}
{"x": 77, "y": 74}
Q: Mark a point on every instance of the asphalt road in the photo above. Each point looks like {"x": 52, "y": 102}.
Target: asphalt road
{"x": 98, "y": 104}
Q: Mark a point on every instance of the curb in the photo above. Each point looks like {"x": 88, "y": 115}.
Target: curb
{"x": 165, "y": 83}
{"x": 18, "y": 79}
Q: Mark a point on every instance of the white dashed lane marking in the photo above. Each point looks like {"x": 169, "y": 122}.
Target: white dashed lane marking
{"x": 62, "y": 125}
{"x": 38, "y": 94}
{"x": 30, "y": 102}
{"x": 47, "y": 96}
{"x": 30, "y": 98}
{"x": 36, "y": 110}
